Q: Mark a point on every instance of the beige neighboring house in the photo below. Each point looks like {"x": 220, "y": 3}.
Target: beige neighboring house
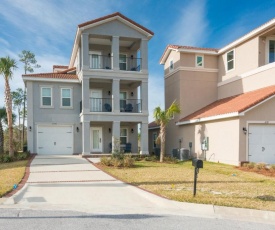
{"x": 101, "y": 97}
{"x": 226, "y": 96}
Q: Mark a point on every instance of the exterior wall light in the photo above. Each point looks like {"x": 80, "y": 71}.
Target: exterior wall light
{"x": 30, "y": 128}
{"x": 244, "y": 130}
{"x": 77, "y": 129}
{"x": 132, "y": 94}
{"x": 132, "y": 130}
{"x": 110, "y": 130}
{"x": 109, "y": 92}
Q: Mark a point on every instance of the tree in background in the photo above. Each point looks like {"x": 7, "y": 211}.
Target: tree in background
{"x": 162, "y": 118}
{"x": 18, "y": 101}
{"x": 7, "y": 65}
{"x": 4, "y": 122}
{"x": 29, "y": 61}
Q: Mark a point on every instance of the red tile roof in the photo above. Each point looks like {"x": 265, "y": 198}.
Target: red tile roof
{"x": 170, "y": 46}
{"x": 67, "y": 70}
{"x": 60, "y": 66}
{"x": 238, "y": 103}
{"x": 153, "y": 125}
{"x": 114, "y": 15}
{"x": 52, "y": 75}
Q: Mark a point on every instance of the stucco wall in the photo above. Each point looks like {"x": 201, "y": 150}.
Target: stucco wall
{"x": 55, "y": 115}
{"x": 223, "y": 140}
{"x": 245, "y": 59}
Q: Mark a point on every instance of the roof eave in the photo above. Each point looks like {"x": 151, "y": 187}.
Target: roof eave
{"x": 247, "y": 36}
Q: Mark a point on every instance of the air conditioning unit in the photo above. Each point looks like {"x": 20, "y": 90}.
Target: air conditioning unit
{"x": 184, "y": 154}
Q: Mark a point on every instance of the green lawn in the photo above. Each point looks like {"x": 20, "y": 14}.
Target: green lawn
{"x": 10, "y": 174}
{"x": 218, "y": 184}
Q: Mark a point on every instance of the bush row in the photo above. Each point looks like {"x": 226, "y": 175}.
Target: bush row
{"x": 259, "y": 166}
{"x": 118, "y": 160}
{"x": 5, "y": 158}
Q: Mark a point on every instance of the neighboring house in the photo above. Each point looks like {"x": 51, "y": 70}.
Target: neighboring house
{"x": 153, "y": 133}
{"x": 226, "y": 96}
{"x": 99, "y": 99}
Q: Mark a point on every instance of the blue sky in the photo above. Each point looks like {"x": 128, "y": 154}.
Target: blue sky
{"x": 48, "y": 27}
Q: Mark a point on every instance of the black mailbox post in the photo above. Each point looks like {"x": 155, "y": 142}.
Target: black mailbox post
{"x": 198, "y": 164}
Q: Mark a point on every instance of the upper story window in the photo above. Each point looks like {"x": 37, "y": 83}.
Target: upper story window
{"x": 122, "y": 62}
{"x": 66, "y": 97}
{"x": 171, "y": 66}
{"x": 230, "y": 60}
{"x": 199, "y": 61}
{"x": 46, "y": 96}
{"x": 271, "y": 50}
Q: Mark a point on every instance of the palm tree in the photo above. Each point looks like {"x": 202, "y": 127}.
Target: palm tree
{"x": 162, "y": 118}
{"x": 7, "y": 65}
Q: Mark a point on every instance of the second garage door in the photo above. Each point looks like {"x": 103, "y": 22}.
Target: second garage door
{"x": 54, "y": 139}
{"x": 261, "y": 143}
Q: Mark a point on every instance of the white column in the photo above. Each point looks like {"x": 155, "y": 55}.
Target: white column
{"x": 86, "y": 136}
{"x": 144, "y": 96}
{"x": 116, "y": 136}
{"x": 144, "y": 139}
{"x": 85, "y": 95}
{"x": 85, "y": 50}
{"x": 115, "y": 52}
{"x": 144, "y": 55}
{"x": 115, "y": 95}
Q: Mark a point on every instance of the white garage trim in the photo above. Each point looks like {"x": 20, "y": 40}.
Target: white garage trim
{"x": 260, "y": 141}
{"x": 54, "y": 139}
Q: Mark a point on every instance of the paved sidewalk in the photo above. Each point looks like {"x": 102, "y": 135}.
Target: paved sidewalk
{"x": 73, "y": 183}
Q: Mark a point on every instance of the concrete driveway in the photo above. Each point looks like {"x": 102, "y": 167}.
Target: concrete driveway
{"x": 73, "y": 183}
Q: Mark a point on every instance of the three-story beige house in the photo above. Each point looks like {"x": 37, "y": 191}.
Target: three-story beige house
{"x": 226, "y": 96}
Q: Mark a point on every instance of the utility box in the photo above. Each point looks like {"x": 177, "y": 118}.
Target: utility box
{"x": 197, "y": 163}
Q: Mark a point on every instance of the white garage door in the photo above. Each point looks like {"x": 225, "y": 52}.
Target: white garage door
{"x": 261, "y": 143}
{"x": 54, "y": 139}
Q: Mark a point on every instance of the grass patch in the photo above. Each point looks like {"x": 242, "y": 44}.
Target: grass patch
{"x": 10, "y": 174}
{"x": 218, "y": 184}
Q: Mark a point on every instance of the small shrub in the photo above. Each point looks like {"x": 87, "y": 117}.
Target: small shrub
{"x": 116, "y": 162}
{"x": 106, "y": 161}
{"x": 128, "y": 161}
{"x": 245, "y": 165}
{"x": 260, "y": 166}
{"x": 151, "y": 158}
{"x": 251, "y": 165}
{"x": 168, "y": 159}
{"x": 7, "y": 159}
{"x": 22, "y": 156}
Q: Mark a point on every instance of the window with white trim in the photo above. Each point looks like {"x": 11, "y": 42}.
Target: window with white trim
{"x": 271, "y": 50}
{"x": 171, "y": 66}
{"x": 230, "y": 60}
{"x": 123, "y": 136}
{"x": 199, "y": 61}
{"x": 46, "y": 96}
{"x": 66, "y": 97}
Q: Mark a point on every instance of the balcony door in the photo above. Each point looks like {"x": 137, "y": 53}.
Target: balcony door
{"x": 96, "y": 139}
{"x": 95, "y": 62}
{"x": 96, "y": 100}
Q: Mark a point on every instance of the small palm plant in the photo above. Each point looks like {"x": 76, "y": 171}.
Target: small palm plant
{"x": 162, "y": 118}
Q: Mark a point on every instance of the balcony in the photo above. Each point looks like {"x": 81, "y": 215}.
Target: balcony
{"x": 100, "y": 61}
{"x": 100, "y": 104}
{"x": 129, "y": 63}
{"x": 130, "y": 106}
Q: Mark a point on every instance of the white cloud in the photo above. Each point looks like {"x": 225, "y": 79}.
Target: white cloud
{"x": 191, "y": 26}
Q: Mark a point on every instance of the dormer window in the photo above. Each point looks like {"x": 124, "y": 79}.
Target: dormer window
{"x": 230, "y": 60}
{"x": 199, "y": 61}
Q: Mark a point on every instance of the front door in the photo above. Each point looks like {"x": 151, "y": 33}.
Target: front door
{"x": 96, "y": 100}
{"x": 96, "y": 139}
